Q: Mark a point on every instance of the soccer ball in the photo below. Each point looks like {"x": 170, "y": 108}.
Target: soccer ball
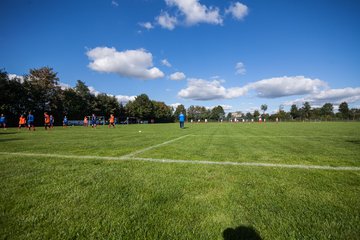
{"x": 139, "y": 131}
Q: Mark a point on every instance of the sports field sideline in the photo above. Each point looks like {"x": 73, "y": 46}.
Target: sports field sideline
{"x": 276, "y": 181}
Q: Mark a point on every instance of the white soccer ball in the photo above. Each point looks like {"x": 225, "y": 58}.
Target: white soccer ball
{"x": 139, "y": 131}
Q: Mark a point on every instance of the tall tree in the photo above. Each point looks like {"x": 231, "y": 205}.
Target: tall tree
{"x": 344, "y": 110}
{"x": 179, "y": 109}
{"x": 327, "y": 110}
{"x": 306, "y": 110}
{"x": 141, "y": 108}
{"x": 162, "y": 112}
{"x": 294, "y": 111}
{"x": 256, "y": 114}
{"x": 217, "y": 113}
{"x": 264, "y": 107}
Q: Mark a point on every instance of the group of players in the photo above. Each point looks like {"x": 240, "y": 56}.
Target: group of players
{"x": 49, "y": 121}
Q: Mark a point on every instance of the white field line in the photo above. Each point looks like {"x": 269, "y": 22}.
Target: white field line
{"x": 130, "y": 155}
{"x": 251, "y": 164}
{"x": 274, "y": 136}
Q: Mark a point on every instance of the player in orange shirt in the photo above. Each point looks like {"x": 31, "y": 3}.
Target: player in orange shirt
{"x": 111, "y": 120}
{"x": 22, "y": 121}
{"x": 46, "y": 120}
{"x": 86, "y": 122}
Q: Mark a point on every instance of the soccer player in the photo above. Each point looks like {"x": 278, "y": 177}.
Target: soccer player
{"x": 51, "y": 121}
{"x": 46, "y": 120}
{"x": 86, "y": 123}
{"x": 65, "y": 121}
{"x": 3, "y": 121}
{"x": 22, "y": 121}
{"x": 30, "y": 121}
{"x": 112, "y": 120}
{"x": 93, "y": 121}
{"x": 181, "y": 120}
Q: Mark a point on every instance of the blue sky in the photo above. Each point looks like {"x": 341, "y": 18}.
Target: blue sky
{"x": 239, "y": 54}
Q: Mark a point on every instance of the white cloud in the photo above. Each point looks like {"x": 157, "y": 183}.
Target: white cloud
{"x": 114, "y": 3}
{"x": 177, "y": 76}
{"x": 240, "y": 68}
{"x": 130, "y": 63}
{"x": 335, "y": 96}
{"x": 175, "y": 105}
{"x": 195, "y": 12}
{"x": 166, "y": 21}
{"x": 124, "y": 99}
{"x": 16, "y": 77}
{"x": 237, "y": 10}
{"x": 225, "y": 107}
{"x": 200, "y": 89}
{"x": 93, "y": 91}
{"x": 165, "y": 62}
{"x": 147, "y": 25}
{"x": 286, "y": 86}
{"x": 64, "y": 86}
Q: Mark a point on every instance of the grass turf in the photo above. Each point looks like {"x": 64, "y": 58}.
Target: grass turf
{"x": 74, "y": 198}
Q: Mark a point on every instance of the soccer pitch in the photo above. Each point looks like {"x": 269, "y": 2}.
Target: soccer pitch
{"x": 207, "y": 181}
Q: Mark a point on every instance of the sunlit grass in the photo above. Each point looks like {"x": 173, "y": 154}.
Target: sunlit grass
{"x": 95, "y": 199}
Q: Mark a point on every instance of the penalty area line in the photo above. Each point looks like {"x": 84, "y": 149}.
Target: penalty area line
{"x": 130, "y": 155}
{"x": 202, "y": 162}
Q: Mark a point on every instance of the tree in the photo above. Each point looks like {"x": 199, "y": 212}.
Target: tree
{"x": 217, "y": 113}
{"x": 141, "y": 108}
{"x": 306, "y": 110}
{"x": 327, "y": 110}
{"x": 264, "y": 107}
{"x": 294, "y": 111}
{"x": 344, "y": 110}
{"x": 43, "y": 89}
{"x": 179, "y": 109}
{"x": 162, "y": 112}
{"x": 256, "y": 114}
{"x": 86, "y": 99}
{"x": 249, "y": 116}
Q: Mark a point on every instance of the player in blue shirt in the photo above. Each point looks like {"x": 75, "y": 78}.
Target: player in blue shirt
{"x": 65, "y": 121}
{"x": 93, "y": 121}
{"x": 30, "y": 121}
{"x": 3, "y": 121}
{"x": 182, "y": 120}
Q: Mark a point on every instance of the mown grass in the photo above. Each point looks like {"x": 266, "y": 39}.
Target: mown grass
{"x": 58, "y": 198}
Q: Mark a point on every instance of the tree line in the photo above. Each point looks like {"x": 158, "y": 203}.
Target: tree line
{"x": 39, "y": 91}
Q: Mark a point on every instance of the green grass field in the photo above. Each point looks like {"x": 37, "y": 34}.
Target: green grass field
{"x": 83, "y": 183}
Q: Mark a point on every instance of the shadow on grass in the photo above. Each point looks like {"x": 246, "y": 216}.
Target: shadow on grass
{"x": 241, "y": 233}
{"x": 354, "y": 141}
{"x": 10, "y": 139}
{"x": 6, "y": 133}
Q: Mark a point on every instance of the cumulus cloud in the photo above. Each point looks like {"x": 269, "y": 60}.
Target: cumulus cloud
{"x": 237, "y": 10}
{"x": 225, "y": 107}
{"x": 240, "y": 68}
{"x": 335, "y": 96}
{"x": 177, "y": 76}
{"x": 194, "y": 12}
{"x": 175, "y": 105}
{"x": 286, "y": 86}
{"x": 165, "y": 62}
{"x": 16, "y": 77}
{"x": 200, "y": 89}
{"x": 124, "y": 99}
{"x": 147, "y": 25}
{"x": 64, "y": 86}
{"x": 166, "y": 21}
{"x": 130, "y": 63}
